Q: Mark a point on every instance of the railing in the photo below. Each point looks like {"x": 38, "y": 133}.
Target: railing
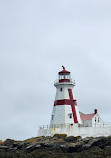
{"x": 71, "y": 81}
{"x": 105, "y": 124}
{"x": 44, "y": 127}
{"x": 53, "y": 126}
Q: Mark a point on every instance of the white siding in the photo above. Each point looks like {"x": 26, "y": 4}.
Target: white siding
{"x": 78, "y": 115}
{"x": 59, "y": 114}
{"x": 99, "y": 122}
{"x": 68, "y": 110}
{"x": 86, "y": 123}
{"x": 64, "y": 94}
{"x": 77, "y": 131}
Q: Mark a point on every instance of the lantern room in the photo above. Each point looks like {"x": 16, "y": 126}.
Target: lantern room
{"x": 64, "y": 75}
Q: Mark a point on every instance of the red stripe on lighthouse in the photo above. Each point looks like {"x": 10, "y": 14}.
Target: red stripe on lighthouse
{"x": 70, "y": 94}
{"x": 73, "y": 104}
{"x": 63, "y": 102}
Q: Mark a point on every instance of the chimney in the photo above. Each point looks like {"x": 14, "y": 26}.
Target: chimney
{"x": 95, "y": 111}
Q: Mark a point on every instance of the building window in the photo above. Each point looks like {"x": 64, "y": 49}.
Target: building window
{"x": 70, "y": 115}
{"x": 98, "y": 119}
{"x": 60, "y": 89}
{"x": 95, "y": 119}
{"x": 52, "y": 117}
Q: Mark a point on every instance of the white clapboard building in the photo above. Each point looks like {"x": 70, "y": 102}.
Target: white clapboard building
{"x": 91, "y": 120}
{"x": 66, "y": 118}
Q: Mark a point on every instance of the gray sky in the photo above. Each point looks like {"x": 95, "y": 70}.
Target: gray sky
{"x": 36, "y": 38}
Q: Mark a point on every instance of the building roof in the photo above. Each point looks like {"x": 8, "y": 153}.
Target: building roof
{"x": 64, "y": 72}
{"x": 81, "y": 113}
{"x": 86, "y": 116}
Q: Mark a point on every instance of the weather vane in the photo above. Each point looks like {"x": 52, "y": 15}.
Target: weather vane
{"x": 63, "y": 67}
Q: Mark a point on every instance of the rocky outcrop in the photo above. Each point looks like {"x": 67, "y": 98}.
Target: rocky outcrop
{"x": 57, "y": 144}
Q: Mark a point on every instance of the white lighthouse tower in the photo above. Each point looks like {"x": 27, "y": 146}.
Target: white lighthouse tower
{"x": 65, "y": 111}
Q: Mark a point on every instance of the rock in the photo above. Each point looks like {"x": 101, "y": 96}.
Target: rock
{"x": 84, "y": 147}
{"x": 108, "y": 142}
{"x": 60, "y": 136}
{"x": 32, "y": 147}
{"x": 76, "y": 148}
{"x": 100, "y": 142}
{"x": 8, "y": 142}
{"x": 4, "y": 148}
{"x": 81, "y": 144}
{"x": 71, "y": 139}
{"x": 20, "y": 146}
{"x": 46, "y": 144}
{"x": 61, "y": 143}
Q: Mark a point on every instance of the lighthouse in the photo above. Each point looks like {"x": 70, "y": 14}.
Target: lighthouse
{"x": 66, "y": 118}
{"x": 65, "y": 110}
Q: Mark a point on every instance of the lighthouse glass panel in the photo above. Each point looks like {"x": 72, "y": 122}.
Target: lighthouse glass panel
{"x": 60, "y": 77}
{"x": 64, "y": 77}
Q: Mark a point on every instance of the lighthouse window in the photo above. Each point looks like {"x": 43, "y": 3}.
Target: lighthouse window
{"x": 66, "y": 77}
{"x": 52, "y": 117}
{"x": 70, "y": 115}
{"x": 98, "y": 119}
{"x": 61, "y": 76}
{"x": 60, "y": 89}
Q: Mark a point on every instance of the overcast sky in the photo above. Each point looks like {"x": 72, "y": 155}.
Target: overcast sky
{"x": 37, "y": 37}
